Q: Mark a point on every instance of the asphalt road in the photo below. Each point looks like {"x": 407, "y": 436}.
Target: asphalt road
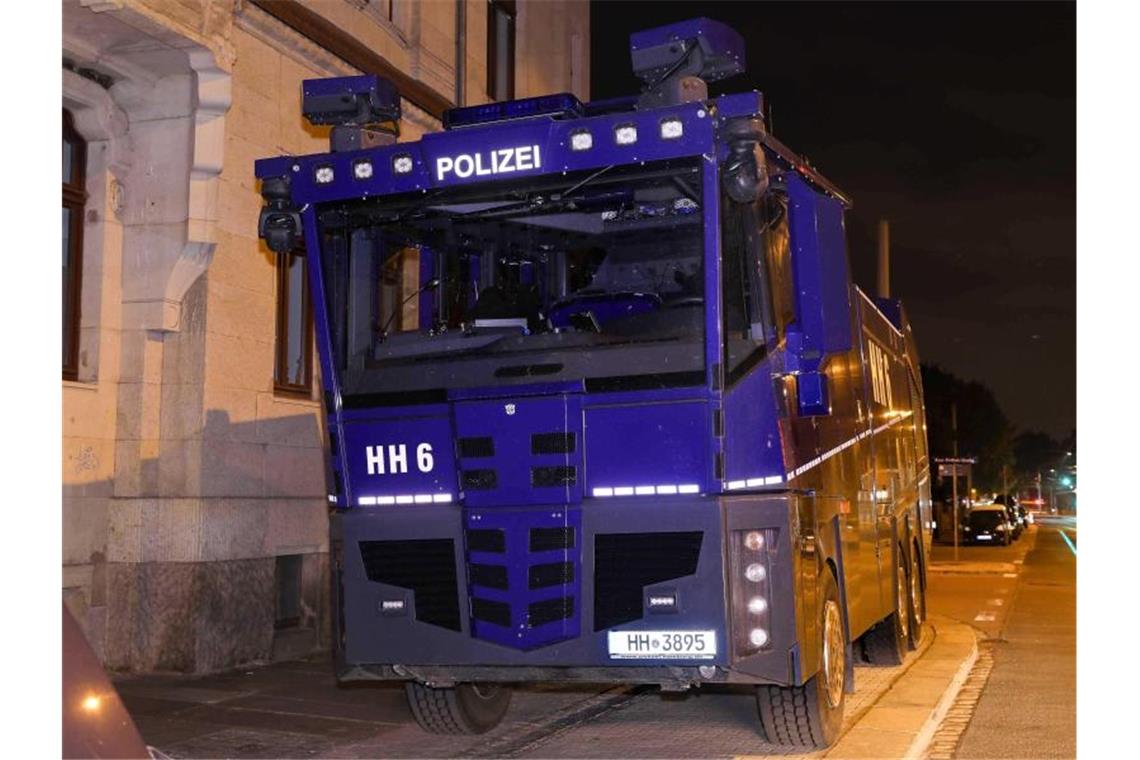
{"x": 1027, "y": 622}
{"x": 1020, "y": 598}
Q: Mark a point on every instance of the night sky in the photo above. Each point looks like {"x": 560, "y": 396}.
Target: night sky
{"x": 957, "y": 122}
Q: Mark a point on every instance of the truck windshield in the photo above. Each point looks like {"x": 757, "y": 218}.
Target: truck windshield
{"x": 594, "y": 277}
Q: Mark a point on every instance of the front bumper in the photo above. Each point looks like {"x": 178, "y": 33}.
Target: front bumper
{"x": 440, "y": 633}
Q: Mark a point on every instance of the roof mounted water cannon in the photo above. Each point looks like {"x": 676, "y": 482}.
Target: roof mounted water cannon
{"x": 677, "y": 60}
{"x": 364, "y": 111}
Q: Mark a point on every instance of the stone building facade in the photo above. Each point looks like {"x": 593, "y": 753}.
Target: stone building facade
{"x": 194, "y": 498}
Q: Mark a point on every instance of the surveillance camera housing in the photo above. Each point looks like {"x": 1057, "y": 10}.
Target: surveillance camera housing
{"x": 349, "y": 101}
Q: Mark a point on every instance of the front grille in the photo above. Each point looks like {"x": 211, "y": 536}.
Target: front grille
{"x": 548, "y": 477}
{"x": 489, "y": 576}
{"x": 496, "y": 613}
{"x": 471, "y": 448}
{"x": 480, "y": 480}
{"x": 549, "y": 611}
{"x": 488, "y": 540}
{"x": 427, "y": 567}
{"x": 552, "y": 574}
{"x": 552, "y": 443}
{"x": 625, "y": 563}
{"x": 551, "y": 539}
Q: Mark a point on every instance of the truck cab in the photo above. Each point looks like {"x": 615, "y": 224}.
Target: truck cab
{"x": 603, "y": 402}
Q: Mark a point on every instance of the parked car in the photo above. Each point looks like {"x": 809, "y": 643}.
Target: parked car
{"x": 1018, "y": 517}
{"x": 988, "y": 524}
{"x": 95, "y": 722}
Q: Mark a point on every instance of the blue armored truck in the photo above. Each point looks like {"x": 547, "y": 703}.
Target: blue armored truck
{"x": 603, "y": 403}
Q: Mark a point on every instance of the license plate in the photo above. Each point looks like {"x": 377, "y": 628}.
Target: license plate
{"x": 662, "y": 645}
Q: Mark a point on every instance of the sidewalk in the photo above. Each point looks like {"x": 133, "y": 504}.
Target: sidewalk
{"x": 903, "y": 720}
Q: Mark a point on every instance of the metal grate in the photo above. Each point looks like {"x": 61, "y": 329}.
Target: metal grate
{"x": 625, "y": 563}
{"x": 490, "y": 540}
{"x": 552, "y": 443}
{"x": 548, "y": 477}
{"x": 487, "y": 611}
{"x": 427, "y": 567}
{"x": 480, "y": 480}
{"x": 471, "y": 448}
{"x": 488, "y": 576}
{"x": 552, "y": 574}
{"x": 549, "y": 611}
{"x": 551, "y": 539}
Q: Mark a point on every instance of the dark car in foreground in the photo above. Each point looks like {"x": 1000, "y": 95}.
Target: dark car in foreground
{"x": 95, "y": 722}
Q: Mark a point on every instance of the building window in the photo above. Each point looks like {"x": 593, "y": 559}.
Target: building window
{"x": 74, "y": 198}
{"x": 501, "y": 49}
{"x": 293, "y": 370}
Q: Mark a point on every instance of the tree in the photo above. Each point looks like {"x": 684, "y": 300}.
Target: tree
{"x": 984, "y": 431}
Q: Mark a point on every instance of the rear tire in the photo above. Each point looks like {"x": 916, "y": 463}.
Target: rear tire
{"x": 811, "y": 716}
{"x": 917, "y": 600}
{"x": 462, "y": 709}
{"x": 886, "y": 643}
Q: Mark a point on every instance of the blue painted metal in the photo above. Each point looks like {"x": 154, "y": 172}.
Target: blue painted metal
{"x": 511, "y": 423}
{"x": 748, "y": 448}
{"x": 649, "y": 444}
{"x": 823, "y": 305}
{"x": 518, "y": 560}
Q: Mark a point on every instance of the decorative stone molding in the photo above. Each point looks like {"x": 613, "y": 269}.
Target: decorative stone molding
{"x": 212, "y": 100}
{"x": 98, "y": 117}
{"x": 261, "y": 25}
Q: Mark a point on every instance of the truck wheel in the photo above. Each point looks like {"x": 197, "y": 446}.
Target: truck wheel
{"x": 887, "y": 641}
{"x": 811, "y": 716}
{"x": 917, "y": 600}
{"x": 467, "y": 708}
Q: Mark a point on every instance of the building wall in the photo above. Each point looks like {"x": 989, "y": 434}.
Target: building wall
{"x": 184, "y": 474}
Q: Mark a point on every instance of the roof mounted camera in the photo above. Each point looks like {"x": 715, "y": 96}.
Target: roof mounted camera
{"x": 676, "y": 61}
{"x": 364, "y": 111}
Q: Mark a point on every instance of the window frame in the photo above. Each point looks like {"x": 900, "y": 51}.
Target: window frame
{"x": 281, "y": 384}
{"x": 510, "y": 10}
{"x": 75, "y": 199}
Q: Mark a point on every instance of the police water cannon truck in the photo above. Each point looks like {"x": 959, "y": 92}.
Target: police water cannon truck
{"x": 603, "y": 403}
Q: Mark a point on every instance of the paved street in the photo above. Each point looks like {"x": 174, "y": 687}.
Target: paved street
{"x": 1018, "y": 701}
{"x": 1027, "y": 701}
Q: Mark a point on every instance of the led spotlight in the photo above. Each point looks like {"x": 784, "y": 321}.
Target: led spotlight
{"x": 758, "y": 637}
{"x": 625, "y": 134}
{"x": 323, "y": 175}
{"x": 755, "y": 572}
{"x": 362, "y": 169}
{"x": 754, "y": 540}
{"x": 757, "y": 605}
{"x": 671, "y": 129}
{"x": 402, "y": 164}
{"x": 581, "y": 140}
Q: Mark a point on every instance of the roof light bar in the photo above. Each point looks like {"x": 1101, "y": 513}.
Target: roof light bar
{"x": 562, "y": 105}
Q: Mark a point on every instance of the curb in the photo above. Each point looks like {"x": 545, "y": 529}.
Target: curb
{"x": 902, "y": 722}
{"x": 922, "y": 741}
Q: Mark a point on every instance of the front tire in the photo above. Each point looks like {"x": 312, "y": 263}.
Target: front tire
{"x": 886, "y": 643}
{"x": 811, "y": 716}
{"x": 461, "y": 709}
